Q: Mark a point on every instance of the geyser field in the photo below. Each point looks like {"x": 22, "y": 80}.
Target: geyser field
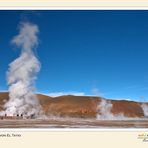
{"x": 81, "y": 112}
{"x": 22, "y": 107}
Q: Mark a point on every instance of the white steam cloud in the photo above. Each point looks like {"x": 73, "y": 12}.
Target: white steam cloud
{"x": 105, "y": 113}
{"x": 22, "y": 73}
{"x": 145, "y": 109}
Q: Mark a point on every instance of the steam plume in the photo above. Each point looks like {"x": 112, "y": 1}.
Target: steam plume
{"x": 104, "y": 111}
{"x": 145, "y": 109}
{"x": 22, "y": 73}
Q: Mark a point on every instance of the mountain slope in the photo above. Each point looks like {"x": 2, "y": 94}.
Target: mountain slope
{"x": 82, "y": 106}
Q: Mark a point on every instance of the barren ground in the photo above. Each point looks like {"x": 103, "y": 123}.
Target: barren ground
{"x": 73, "y": 123}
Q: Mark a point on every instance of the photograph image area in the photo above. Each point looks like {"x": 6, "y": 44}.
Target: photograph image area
{"x": 74, "y": 69}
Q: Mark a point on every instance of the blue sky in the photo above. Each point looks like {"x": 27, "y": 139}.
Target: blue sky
{"x": 84, "y": 52}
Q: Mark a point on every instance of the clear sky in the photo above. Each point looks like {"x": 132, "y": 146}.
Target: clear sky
{"x": 84, "y": 52}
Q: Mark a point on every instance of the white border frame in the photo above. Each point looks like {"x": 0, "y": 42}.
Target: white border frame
{"x": 72, "y": 8}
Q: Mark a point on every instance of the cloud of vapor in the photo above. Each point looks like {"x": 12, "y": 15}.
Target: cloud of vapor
{"x": 97, "y": 92}
{"x": 145, "y": 109}
{"x": 104, "y": 111}
{"x": 22, "y": 74}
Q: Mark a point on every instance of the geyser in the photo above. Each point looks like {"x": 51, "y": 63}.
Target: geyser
{"x": 22, "y": 74}
{"x": 104, "y": 111}
{"x": 145, "y": 109}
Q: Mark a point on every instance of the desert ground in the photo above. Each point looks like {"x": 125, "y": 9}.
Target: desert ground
{"x": 73, "y": 123}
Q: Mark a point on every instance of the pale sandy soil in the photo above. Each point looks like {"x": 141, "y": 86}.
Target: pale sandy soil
{"x": 73, "y": 123}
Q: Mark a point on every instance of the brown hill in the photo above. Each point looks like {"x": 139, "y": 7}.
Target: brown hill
{"x": 81, "y": 106}
{"x": 128, "y": 108}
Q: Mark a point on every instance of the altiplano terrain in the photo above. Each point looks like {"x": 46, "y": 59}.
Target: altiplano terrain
{"x": 81, "y": 106}
{"x": 80, "y": 112}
